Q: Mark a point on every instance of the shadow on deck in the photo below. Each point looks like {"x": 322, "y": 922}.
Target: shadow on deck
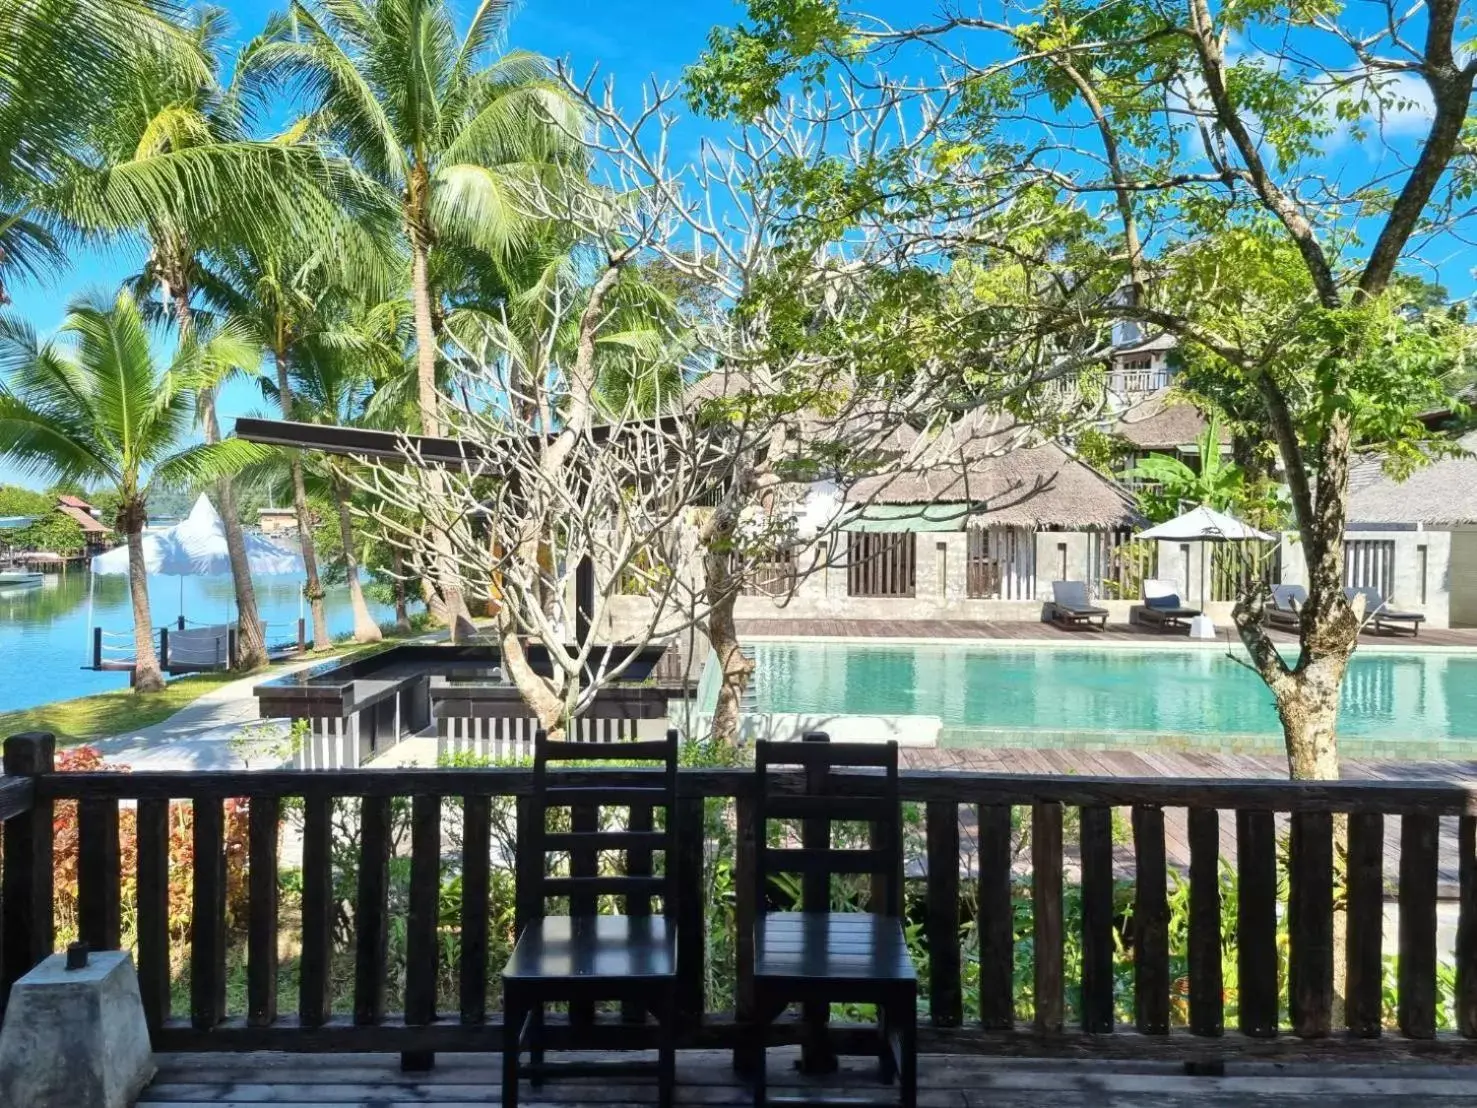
{"x": 706, "y": 1078}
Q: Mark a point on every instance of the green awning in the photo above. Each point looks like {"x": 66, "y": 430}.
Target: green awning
{"x": 912, "y": 517}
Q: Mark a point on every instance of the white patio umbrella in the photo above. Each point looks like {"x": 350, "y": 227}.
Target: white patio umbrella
{"x": 196, "y": 547}
{"x": 1205, "y": 525}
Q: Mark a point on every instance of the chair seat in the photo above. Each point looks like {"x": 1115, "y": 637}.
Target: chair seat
{"x": 831, "y": 946}
{"x": 592, "y": 948}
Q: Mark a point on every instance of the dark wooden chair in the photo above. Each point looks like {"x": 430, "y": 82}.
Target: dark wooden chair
{"x": 816, "y": 957}
{"x": 585, "y": 957}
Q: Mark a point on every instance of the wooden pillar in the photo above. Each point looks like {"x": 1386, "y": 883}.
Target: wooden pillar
{"x": 27, "y": 931}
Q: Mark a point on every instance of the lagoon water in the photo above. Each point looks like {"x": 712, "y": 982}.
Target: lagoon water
{"x": 44, "y": 641}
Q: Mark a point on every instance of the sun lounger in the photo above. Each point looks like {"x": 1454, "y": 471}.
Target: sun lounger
{"x": 1162, "y": 607}
{"x": 1380, "y": 614}
{"x": 1284, "y": 610}
{"x": 1070, "y": 604}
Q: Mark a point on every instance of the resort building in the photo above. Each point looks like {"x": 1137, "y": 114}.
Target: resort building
{"x": 99, "y": 535}
{"x": 1415, "y": 541}
{"x": 1161, "y": 423}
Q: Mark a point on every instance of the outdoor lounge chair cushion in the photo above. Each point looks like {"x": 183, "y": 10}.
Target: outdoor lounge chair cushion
{"x": 1071, "y": 596}
{"x": 1160, "y": 596}
{"x": 1287, "y": 599}
{"x": 1376, "y": 608}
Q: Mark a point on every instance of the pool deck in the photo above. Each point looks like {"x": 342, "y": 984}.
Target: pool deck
{"x": 1177, "y": 764}
{"x": 1142, "y": 763}
{"x": 1037, "y": 631}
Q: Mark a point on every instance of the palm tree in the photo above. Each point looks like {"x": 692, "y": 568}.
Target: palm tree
{"x": 94, "y": 406}
{"x": 450, "y": 131}
{"x": 333, "y": 381}
{"x": 211, "y": 186}
{"x": 277, "y": 295}
{"x": 67, "y": 64}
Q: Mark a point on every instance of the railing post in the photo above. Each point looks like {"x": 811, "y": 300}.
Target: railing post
{"x": 27, "y": 901}
{"x": 97, "y": 648}
{"x": 164, "y": 647}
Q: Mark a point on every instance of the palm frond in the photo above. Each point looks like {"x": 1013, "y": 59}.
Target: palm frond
{"x": 206, "y": 463}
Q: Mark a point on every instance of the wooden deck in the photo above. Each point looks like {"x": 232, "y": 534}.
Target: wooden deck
{"x": 706, "y": 1078}
{"x": 1037, "y": 630}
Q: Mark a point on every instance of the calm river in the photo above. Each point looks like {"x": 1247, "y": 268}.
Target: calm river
{"x": 44, "y": 641}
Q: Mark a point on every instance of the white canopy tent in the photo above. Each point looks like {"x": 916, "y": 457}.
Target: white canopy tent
{"x": 1204, "y": 525}
{"x": 196, "y": 547}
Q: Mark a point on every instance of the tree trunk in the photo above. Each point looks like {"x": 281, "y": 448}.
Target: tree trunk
{"x": 313, "y": 588}
{"x": 147, "y": 676}
{"x": 537, "y": 692}
{"x": 365, "y": 628}
{"x": 1309, "y": 712}
{"x": 251, "y": 643}
{"x": 452, "y": 606}
{"x": 735, "y": 668}
{"x": 402, "y": 611}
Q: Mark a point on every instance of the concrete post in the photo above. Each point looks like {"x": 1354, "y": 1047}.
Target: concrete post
{"x": 75, "y": 1035}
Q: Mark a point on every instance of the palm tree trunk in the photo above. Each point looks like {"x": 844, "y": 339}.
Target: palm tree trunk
{"x": 454, "y": 607}
{"x": 251, "y": 642}
{"x": 147, "y": 676}
{"x": 313, "y": 587}
{"x": 365, "y": 628}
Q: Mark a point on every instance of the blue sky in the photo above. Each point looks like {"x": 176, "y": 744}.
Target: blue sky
{"x": 633, "y": 41}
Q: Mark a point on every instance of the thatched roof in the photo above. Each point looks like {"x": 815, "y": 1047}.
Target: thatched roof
{"x": 1162, "y": 422}
{"x": 1014, "y": 477}
{"x": 1441, "y": 494}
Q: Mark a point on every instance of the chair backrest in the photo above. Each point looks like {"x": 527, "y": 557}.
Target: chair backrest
{"x": 823, "y": 798}
{"x": 1160, "y": 594}
{"x": 1373, "y": 601}
{"x": 635, "y": 835}
{"x": 1289, "y": 598}
{"x": 1070, "y": 594}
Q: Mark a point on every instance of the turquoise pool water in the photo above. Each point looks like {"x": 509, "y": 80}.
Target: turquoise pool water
{"x": 1417, "y": 703}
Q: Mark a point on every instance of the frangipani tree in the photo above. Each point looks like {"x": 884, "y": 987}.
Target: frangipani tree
{"x": 812, "y": 328}
{"x": 93, "y": 405}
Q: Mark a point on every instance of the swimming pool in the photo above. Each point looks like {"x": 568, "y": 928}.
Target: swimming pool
{"x": 1411, "y": 704}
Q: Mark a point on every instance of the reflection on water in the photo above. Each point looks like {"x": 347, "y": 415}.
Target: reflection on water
{"x": 44, "y": 642}
{"x": 1185, "y": 692}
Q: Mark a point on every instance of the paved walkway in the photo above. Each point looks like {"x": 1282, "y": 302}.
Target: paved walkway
{"x": 219, "y": 731}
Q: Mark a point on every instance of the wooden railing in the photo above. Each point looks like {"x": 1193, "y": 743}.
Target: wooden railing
{"x": 1069, "y": 819}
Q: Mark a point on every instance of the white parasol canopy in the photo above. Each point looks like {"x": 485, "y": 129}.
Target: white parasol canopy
{"x": 196, "y": 547}
{"x": 1205, "y": 525}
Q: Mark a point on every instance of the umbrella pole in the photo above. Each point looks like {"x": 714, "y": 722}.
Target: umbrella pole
{"x": 91, "y": 585}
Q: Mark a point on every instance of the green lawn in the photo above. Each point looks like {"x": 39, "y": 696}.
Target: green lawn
{"x": 110, "y": 713}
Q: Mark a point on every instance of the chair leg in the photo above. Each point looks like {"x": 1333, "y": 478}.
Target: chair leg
{"x": 758, "y": 1052}
{"x": 536, "y": 1046}
{"x": 667, "y": 1051}
{"x": 886, "y": 1061}
{"x": 512, "y": 1028}
{"x": 907, "y": 1020}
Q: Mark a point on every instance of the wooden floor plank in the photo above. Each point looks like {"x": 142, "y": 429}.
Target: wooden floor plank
{"x": 706, "y": 1078}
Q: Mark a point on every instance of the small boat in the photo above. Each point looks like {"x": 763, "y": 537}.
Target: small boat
{"x": 21, "y": 579}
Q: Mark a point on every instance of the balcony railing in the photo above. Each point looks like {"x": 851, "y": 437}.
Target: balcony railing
{"x": 1131, "y": 382}
{"x": 984, "y": 846}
